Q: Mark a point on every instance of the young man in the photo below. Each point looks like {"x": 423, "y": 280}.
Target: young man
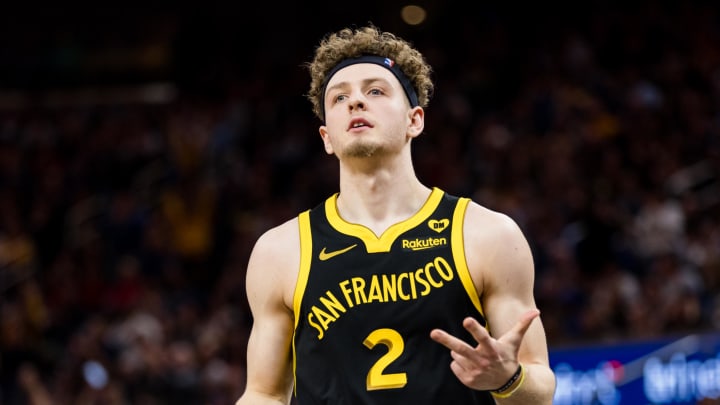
{"x": 390, "y": 292}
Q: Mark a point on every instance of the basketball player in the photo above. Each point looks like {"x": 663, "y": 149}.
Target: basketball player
{"x": 390, "y": 292}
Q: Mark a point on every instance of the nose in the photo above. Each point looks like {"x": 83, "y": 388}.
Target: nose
{"x": 357, "y": 101}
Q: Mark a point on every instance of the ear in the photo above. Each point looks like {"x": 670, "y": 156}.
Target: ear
{"x": 416, "y": 121}
{"x": 326, "y": 140}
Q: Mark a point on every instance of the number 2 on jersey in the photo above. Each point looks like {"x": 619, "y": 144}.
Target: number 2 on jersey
{"x": 376, "y": 379}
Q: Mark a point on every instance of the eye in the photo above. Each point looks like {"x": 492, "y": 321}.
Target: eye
{"x": 375, "y": 92}
{"x": 339, "y": 98}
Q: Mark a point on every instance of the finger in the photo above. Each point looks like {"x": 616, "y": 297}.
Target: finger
{"x": 469, "y": 363}
{"x": 517, "y": 333}
{"x": 460, "y": 363}
{"x": 458, "y": 369}
{"x": 449, "y": 341}
{"x": 478, "y": 332}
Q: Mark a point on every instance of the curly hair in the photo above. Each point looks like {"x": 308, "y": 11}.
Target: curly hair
{"x": 351, "y": 43}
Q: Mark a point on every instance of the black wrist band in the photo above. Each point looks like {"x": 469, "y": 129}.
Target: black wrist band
{"x": 510, "y": 382}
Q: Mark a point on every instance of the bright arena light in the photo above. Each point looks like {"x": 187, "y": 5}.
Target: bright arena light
{"x": 413, "y": 15}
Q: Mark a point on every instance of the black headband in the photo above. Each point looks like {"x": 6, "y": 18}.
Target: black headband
{"x": 387, "y": 63}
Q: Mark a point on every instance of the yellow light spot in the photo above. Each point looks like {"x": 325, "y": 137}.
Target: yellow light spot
{"x": 413, "y": 15}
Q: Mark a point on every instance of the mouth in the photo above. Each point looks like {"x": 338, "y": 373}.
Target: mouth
{"x": 358, "y": 123}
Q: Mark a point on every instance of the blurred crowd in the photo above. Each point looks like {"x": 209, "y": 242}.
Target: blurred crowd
{"x": 125, "y": 226}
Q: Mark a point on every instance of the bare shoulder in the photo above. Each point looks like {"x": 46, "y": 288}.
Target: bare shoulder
{"x": 274, "y": 261}
{"x": 496, "y": 248}
{"x": 277, "y": 239}
{"x": 491, "y": 228}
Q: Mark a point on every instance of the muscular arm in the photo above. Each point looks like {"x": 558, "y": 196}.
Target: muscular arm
{"x": 270, "y": 281}
{"x": 502, "y": 268}
{"x": 508, "y": 279}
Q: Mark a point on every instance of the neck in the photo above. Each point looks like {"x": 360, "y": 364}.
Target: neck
{"x": 380, "y": 197}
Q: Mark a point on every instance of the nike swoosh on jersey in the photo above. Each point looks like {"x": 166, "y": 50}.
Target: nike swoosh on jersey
{"x": 327, "y": 255}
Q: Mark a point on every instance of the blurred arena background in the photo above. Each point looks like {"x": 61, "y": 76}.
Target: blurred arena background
{"x": 145, "y": 146}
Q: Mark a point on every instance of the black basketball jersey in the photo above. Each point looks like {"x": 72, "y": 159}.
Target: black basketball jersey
{"x": 365, "y": 305}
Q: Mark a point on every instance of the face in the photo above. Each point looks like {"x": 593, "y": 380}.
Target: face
{"x": 367, "y": 113}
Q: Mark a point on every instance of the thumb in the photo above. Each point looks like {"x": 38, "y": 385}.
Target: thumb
{"x": 515, "y": 335}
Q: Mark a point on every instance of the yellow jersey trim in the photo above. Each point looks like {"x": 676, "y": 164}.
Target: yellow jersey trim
{"x": 303, "y": 273}
{"x": 373, "y": 243}
{"x": 458, "y": 249}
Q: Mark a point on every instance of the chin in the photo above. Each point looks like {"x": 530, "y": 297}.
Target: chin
{"x": 361, "y": 150}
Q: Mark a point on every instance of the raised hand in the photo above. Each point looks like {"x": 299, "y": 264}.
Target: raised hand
{"x": 489, "y": 364}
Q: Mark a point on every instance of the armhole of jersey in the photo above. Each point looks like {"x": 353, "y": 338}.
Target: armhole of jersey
{"x": 305, "y": 259}
{"x": 458, "y": 248}
{"x": 302, "y": 279}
